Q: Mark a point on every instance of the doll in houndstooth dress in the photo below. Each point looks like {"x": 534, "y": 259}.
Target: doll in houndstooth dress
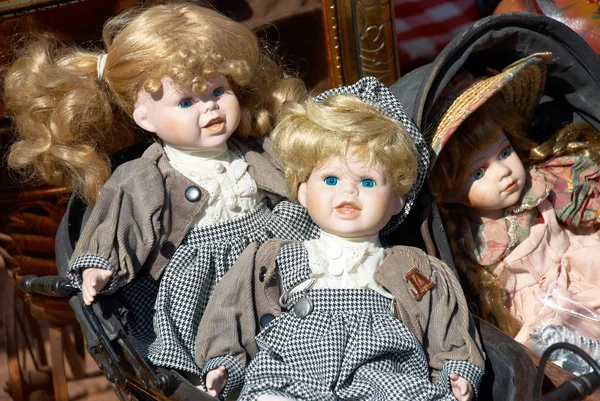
{"x": 177, "y": 217}
{"x": 349, "y": 326}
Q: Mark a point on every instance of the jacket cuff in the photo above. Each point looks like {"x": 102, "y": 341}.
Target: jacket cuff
{"x": 234, "y": 368}
{"x": 465, "y": 370}
{"x": 83, "y": 262}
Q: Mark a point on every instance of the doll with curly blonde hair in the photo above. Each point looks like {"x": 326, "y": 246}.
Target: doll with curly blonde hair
{"x": 178, "y": 216}
{"x": 355, "y": 161}
{"x": 64, "y": 105}
{"x": 521, "y": 219}
{"x": 305, "y": 144}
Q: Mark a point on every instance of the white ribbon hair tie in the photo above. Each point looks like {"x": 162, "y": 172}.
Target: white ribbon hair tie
{"x": 100, "y": 63}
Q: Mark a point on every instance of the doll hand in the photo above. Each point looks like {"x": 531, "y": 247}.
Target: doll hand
{"x": 94, "y": 280}
{"x": 461, "y": 387}
{"x": 216, "y": 380}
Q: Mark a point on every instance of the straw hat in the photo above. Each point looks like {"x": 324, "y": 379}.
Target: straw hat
{"x": 521, "y": 85}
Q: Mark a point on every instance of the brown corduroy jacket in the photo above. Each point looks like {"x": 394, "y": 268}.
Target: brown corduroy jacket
{"x": 439, "y": 319}
{"x": 143, "y": 214}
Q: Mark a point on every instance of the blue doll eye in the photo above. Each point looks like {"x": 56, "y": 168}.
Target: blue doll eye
{"x": 331, "y": 180}
{"x": 367, "y": 183}
{"x": 478, "y": 174}
{"x": 219, "y": 91}
{"x": 185, "y": 103}
{"x": 505, "y": 153}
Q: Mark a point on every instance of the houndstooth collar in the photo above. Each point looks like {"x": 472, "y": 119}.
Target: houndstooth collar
{"x": 376, "y": 94}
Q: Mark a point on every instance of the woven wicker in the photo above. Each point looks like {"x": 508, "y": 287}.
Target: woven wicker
{"x": 521, "y": 84}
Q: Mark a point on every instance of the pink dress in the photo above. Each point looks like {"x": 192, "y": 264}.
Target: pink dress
{"x": 547, "y": 242}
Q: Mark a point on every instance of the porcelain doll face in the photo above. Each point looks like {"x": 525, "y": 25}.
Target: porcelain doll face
{"x": 496, "y": 180}
{"x": 349, "y": 199}
{"x": 188, "y": 120}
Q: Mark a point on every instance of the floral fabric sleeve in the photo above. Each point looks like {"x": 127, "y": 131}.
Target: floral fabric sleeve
{"x": 575, "y": 189}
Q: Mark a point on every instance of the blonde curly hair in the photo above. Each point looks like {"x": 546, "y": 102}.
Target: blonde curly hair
{"x": 308, "y": 135}
{"x": 68, "y": 120}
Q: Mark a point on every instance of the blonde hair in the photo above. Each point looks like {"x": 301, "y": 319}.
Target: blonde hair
{"x": 308, "y": 135}
{"x": 68, "y": 120}
{"x": 477, "y": 131}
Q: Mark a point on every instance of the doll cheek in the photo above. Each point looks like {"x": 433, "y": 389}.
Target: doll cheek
{"x": 480, "y": 199}
{"x": 314, "y": 206}
{"x": 176, "y": 129}
{"x": 382, "y": 203}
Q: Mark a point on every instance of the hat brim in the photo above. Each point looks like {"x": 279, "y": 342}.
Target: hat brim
{"x": 521, "y": 85}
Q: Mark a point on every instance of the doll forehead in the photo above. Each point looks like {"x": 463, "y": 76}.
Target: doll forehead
{"x": 489, "y": 149}
{"x": 352, "y": 164}
{"x": 202, "y": 83}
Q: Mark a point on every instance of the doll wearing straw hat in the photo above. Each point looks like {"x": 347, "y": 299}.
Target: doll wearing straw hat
{"x": 521, "y": 219}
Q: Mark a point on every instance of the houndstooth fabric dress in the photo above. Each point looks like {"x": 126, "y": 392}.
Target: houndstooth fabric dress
{"x": 350, "y": 347}
{"x": 164, "y": 316}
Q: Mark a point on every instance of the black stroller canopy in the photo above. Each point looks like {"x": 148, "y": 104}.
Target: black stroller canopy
{"x": 573, "y": 84}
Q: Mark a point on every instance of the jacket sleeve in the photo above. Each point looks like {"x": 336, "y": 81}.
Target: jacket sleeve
{"x": 451, "y": 340}
{"x": 124, "y": 225}
{"x": 228, "y": 327}
{"x": 575, "y": 189}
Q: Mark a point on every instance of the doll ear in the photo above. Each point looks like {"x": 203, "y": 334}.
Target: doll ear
{"x": 302, "y": 194}
{"x": 140, "y": 115}
{"x": 400, "y": 204}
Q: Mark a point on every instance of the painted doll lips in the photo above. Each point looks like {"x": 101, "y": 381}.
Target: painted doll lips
{"x": 215, "y": 125}
{"x": 347, "y": 209}
{"x": 511, "y": 187}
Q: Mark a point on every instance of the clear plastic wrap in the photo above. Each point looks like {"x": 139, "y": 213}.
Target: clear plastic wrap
{"x": 562, "y": 319}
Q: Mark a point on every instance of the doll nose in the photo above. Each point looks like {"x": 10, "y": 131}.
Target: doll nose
{"x": 503, "y": 170}
{"x": 348, "y": 188}
{"x": 209, "y": 106}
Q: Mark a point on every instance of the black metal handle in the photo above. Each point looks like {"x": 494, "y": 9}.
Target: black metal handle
{"x": 51, "y": 286}
{"x": 574, "y": 389}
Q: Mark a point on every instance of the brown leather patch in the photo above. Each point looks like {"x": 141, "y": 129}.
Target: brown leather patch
{"x": 420, "y": 283}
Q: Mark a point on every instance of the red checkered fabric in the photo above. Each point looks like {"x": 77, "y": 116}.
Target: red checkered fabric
{"x": 424, "y": 27}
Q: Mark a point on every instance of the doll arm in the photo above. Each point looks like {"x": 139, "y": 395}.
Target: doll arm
{"x": 124, "y": 225}
{"x": 227, "y": 329}
{"x": 451, "y": 340}
{"x": 575, "y": 189}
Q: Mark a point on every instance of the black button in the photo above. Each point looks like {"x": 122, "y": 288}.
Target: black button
{"x": 193, "y": 194}
{"x": 168, "y": 250}
{"x": 262, "y": 273}
{"x": 266, "y": 319}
